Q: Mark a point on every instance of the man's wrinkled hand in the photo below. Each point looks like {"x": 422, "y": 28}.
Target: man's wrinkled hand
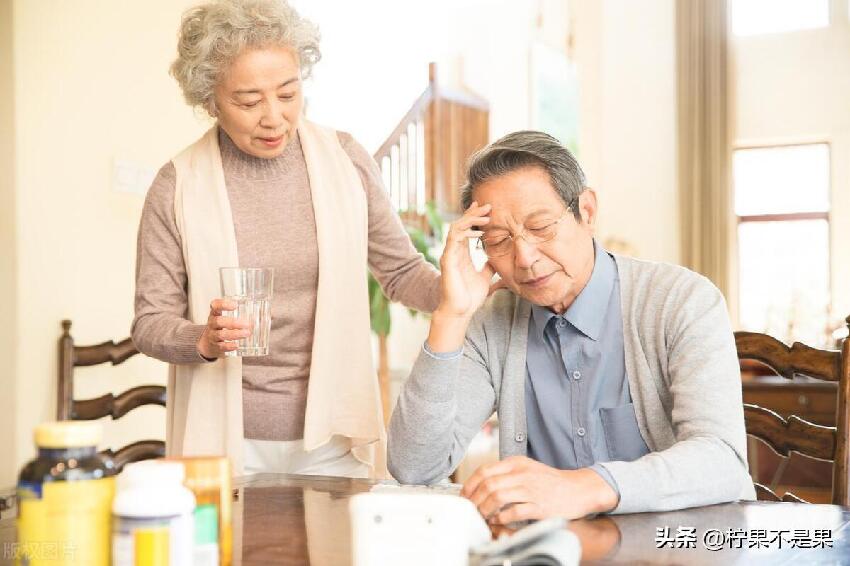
{"x": 521, "y": 489}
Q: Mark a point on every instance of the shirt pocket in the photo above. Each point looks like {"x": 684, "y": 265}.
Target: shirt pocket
{"x": 622, "y": 434}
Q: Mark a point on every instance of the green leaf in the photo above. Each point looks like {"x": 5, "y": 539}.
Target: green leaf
{"x": 379, "y": 306}
{"x": 435, "y": 220}
{"x": 379, "y": 309}
{"x": 422, "y": 245}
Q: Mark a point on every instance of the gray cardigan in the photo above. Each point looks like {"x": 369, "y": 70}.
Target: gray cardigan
{"x": 683, "y": 376}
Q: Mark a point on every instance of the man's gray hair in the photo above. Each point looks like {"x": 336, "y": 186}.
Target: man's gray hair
{"x": 213, "y": 34}
{"x": 526, "y": 148}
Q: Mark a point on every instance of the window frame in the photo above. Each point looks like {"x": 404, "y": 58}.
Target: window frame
{"x": 786, "y": 216}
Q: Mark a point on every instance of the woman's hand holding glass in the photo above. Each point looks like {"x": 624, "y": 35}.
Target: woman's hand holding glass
{"x": 222, "y": 332}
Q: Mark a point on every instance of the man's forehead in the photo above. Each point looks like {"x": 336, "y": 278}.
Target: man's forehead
{"x": 519, "y": 213}
{"x": 519, "y": 197}
{"x": 518, "y": 180}
{"x": 505, "y": 217}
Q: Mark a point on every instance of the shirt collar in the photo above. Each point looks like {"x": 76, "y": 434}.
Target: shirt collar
{"x": 587, "y": 313}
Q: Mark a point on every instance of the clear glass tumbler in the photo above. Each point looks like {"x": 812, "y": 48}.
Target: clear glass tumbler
{"x": 251, "y": 289}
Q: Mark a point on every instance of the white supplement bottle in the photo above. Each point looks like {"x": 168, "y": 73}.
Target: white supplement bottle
{"x": 152, "y": 516}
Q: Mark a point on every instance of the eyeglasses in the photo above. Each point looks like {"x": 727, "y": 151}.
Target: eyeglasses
{"x": 503, "y": 244}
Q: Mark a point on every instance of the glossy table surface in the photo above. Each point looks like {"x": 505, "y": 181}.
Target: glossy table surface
{"x": 299, "y": 520}
{"x": 282, "y": 519}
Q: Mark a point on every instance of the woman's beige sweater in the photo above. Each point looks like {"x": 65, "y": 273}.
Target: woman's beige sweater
{"x": 275, "y": 227}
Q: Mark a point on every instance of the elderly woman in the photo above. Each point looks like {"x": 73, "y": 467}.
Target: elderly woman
{"x": 264, "y": 187}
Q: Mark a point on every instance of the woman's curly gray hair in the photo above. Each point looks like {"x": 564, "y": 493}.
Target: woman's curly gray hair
{"x": 213, "y": 34}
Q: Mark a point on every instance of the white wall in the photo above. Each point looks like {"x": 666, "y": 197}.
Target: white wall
{"x": 626, "y": 57}
{"x": 493, "y": 42}
{"x": 795, "y": 87}
{"x": 91, "y": 86}
{"x": 8, "y": 256}
{"x": 371, "y": 69}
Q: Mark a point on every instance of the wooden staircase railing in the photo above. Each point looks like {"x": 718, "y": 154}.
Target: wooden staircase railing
{"x": 424, "y": 158}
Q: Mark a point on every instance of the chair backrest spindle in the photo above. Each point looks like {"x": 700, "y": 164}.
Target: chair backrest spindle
{"x": 795, "y": 434}
{"x": 114, "y": 406}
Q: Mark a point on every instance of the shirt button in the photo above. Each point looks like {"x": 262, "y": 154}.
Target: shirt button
{"x": 519, "y": 437}
{"x": 562, "y": 322}
{"x": 576, "y": 374}
{"x": 580, "y": 431}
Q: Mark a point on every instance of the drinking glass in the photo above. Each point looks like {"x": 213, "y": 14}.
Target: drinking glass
{"x": 251, "y": 289}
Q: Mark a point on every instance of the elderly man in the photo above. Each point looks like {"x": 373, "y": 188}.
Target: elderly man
{"x": 615, "y": 380}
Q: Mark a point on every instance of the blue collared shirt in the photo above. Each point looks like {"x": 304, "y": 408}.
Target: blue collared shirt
{"x": 577, "y": 402}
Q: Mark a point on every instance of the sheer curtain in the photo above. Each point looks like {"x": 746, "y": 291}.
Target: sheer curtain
{"x": 704, "y": 128}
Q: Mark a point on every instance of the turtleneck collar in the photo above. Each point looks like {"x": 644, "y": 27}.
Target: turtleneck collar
{"x": 241, "y": 165}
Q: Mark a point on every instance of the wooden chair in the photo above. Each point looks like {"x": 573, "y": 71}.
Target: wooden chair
{"x": 68, "y": 408}
{"x": 796, "y": 434}
{"x": 7, "y": 501}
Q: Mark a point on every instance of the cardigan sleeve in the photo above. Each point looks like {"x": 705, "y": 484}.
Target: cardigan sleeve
{"x": 402, "y": 271}
{"x": 707, "y": 464}
{"x": 442, "y": 406}
{"x": 160, "y": 328}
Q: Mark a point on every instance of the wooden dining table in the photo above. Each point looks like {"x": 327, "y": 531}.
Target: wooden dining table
{"x": 286, "y": 519}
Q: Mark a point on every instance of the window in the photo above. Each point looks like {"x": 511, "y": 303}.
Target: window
{"x": 782, "y": 205}
{"x": 754, "y": 17}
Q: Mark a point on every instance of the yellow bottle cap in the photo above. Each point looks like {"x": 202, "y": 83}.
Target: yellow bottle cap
{"x": 68, "y": 434}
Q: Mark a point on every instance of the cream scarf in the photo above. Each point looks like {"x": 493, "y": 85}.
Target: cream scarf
{"x": 205, "y": 400}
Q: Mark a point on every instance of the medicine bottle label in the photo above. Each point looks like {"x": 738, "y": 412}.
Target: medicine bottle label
{"x": 64, "y": 523}
{"x": 160, "y": 541}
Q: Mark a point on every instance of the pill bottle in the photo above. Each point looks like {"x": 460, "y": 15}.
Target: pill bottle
{"x": 64, "y": 498}
{"x": 208, "y": 477}
{"x": 152, "y": 516}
